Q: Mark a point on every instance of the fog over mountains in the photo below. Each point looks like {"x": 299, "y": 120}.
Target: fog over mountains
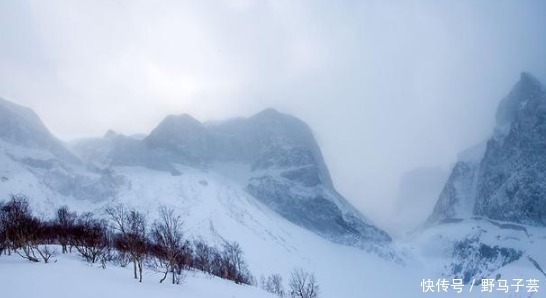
{"x": 276, "y": 157}
{"x": 262, "y": 181}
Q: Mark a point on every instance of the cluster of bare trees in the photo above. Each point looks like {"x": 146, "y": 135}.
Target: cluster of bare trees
{"x": 165, "y": 249}
{"x": 226, "y": 262}
{"x": 124, "y": 238}
{"x": 22, "y": 233}
{"x": 301, "y": 285}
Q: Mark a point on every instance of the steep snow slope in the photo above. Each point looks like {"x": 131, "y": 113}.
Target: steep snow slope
{"x": 218, "y": 209}
{"x": 22, "y": 127}
{"x": 40, "y": 173}
{"x": 49, "y": 180}
{"x": 33, "y": 161}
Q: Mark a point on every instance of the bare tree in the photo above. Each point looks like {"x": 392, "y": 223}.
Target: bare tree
{"x": 65, "y": 221}
{"x": 303, "y": 284}
{"x": 167, "y": 237}
{"x": 46, "y": 252}
{"x": 46, "y": 235}
{"x": 90, "y": 237}
{"x": 3, "y": 240}
{"x": 233, "y": 265}
{"x": 216, "y": 263}
{"x": 186, "y": 256}
{"x": 273, "y": 284}
{"x": 202, "y": 256}
{"x": 131, "y": 238}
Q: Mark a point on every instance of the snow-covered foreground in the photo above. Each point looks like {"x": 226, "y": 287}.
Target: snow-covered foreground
{"x": 216, "y": 209}
{"x": 69, "y": 276}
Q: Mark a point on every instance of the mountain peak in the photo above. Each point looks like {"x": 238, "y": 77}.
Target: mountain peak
{"x": 524, "y": 97}
{"x": 269, "y": 111}
{"x": 529, "y": 79}
{"x": 175, "y": 125}
{"x": 21, "y": 112}
{"x": 22, "y": 127}
{"x": 270, "y": 114}
{"x": 181, "y": 134}
{"x": 110, "y": 134}
{"x": 504, "y": 180}
{"x": 181, "y": 119}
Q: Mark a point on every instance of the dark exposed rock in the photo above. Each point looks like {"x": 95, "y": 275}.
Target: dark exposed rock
{"x": 508, "y": 181}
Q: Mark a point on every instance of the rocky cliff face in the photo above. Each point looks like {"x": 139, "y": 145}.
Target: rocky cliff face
{"x": 282, "y": 167}
{"x": 458, "y": 195}
{"x": 513, "y": 171}
{"x": 507, "y": 182}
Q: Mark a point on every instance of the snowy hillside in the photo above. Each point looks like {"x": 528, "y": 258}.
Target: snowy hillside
{"x": 262, "y": 182}
{"x": 216, "y": 209}
{"x": 68, "y": 276}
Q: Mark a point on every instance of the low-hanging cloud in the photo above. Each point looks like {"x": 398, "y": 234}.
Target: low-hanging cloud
{"x": 387, "y": 86}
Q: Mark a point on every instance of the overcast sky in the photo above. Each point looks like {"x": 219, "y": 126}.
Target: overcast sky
{"x": 386, "y": 86}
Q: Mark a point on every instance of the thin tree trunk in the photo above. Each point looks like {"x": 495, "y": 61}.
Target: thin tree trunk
{"x": 135, "y": 268}
{"x": 140, "y": 270}
{"x": 164, "y": 276}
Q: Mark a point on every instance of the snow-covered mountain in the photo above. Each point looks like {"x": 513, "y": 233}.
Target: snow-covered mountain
{"x": 22, "y": 127}
{"x": 36, "y": 163}
{"x": 262, "y": 181}
{"x": 272, "y": 155}
{"x": 490, "y": 215}
{"x": 505, "y": 178}
{"x": 259, "y": 181}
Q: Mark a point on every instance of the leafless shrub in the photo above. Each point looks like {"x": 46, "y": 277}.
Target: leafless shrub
{"x": 303, "y": 284}
{"x": 273, "y": 284}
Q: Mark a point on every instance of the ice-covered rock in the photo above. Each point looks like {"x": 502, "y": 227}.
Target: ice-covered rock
{"x": 506, "y": 178}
